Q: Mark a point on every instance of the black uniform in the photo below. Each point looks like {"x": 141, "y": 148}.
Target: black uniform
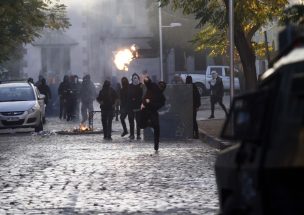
{"x": 196, "y": 104}
{"x": 63, "y": 94}
{"x": 106, "y": 98}
{"x": 135, "y": 94}
{"x": 123, "y": 94}
{"x": 45, "y": 90}
{"x": 72, "y": 97}
{"x": 216, "y": 95}
{"x": 152, "y": 101}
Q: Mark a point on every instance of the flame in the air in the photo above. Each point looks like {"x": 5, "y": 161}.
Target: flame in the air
{"x": 124, "y": 57}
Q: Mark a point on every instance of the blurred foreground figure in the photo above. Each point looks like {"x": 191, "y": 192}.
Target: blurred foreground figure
{"x": 152, "y": 101}
{"x": 263, "y": 172}
{"x": 107, "y": 98}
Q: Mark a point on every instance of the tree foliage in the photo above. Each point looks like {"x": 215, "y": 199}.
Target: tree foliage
{"x": 21, "y": 21}
{"x": 250, "y": 16}
{"x": 293, "y": 15}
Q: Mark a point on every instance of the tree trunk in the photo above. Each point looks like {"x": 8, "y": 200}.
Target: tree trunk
{"x": 247, "y": 56}
{"x": 246, "y": 52}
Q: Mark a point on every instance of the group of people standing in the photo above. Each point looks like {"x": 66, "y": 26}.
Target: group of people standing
{"x": 141, "y": 109}
{"x": 71, "y": 93}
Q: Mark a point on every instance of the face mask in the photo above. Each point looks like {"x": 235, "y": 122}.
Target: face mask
{"x": 135, "y": 80}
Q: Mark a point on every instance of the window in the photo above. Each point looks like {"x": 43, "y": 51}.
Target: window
{"x": 16, "y": 94}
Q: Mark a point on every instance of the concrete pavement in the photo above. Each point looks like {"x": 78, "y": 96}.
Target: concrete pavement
{"x": 83, "y": 174}
{"x": 210, "y": 129}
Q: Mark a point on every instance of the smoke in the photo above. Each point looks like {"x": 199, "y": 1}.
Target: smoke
{"x": 109, "y": 26}
{"x": 100, "y": 29}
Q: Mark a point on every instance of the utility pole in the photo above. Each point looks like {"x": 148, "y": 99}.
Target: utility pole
{"x": 231, "y": 39}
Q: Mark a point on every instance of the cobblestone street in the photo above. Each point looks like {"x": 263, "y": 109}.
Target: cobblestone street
{"x": 84, "y": 174}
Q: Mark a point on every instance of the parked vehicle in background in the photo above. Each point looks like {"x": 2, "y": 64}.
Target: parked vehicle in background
{"x": 201, "y": 80}
{"x": 21, "y": 106}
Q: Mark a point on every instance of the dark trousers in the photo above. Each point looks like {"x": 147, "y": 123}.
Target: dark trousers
{"x": 195, "y": 126}
{"x": 123, "y": 115}
{"x": 71, "y": 108}
{"x": 217, "y": 99}
{"x": 155, "y": 125}
{"x": 62, "y": 108}
{"x": 106, "y": 119}
{"x": 134, "y": 116}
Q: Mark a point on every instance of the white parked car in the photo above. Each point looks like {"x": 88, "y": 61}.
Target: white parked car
{"x": 202, "y": 80}
{"x": 21, "y": 106}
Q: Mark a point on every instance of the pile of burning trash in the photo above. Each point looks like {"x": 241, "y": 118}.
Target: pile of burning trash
{"x": 82, "y": 129}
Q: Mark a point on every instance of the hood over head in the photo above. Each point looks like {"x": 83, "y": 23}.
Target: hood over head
{"x": 188, "y": 79}
{"x": 106, "y": 84}
{"x": 148, "y": 82}
{"x": 135, "y": 79}
{"x": 124, "y": 82}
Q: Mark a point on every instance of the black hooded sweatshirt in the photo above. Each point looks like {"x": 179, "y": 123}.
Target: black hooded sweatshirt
{"x": 107, "y": 97}
{"x": 155, "y": 95}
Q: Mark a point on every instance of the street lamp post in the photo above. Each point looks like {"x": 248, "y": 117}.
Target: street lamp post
{"x": 172, "y": 25}
{"x": 160, "y": 42}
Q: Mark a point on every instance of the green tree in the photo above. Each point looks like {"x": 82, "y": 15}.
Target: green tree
{"x": 21, "y": 21}
{"x": 249, "y": 17}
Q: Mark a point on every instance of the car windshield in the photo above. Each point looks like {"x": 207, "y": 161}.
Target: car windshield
{"x": 16, "y": 94}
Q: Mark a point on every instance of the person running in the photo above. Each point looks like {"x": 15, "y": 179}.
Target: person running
{"x": 216, "y": 93}
{"x": 152, "y": 101}
{"x": 124, "y": 104}
{"x": 135, "y": 94}
{"x": 107, "y": 98}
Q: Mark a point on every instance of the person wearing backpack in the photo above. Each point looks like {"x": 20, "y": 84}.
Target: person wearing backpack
{"x": 107, "y": 98}
{"x": 196, "y": 105}
{"x": 152, "y": 101}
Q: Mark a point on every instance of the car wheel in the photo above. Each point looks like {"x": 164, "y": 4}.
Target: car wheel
{"x": 201, "y": 89}
{"x": 39, "y": 127}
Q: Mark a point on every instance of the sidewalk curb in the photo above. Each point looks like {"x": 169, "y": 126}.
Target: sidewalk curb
{"x": 212, "y": 140}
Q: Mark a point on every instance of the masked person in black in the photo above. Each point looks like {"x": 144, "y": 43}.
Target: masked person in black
{"x": 216, "y": 93}
{"x": 45, "y": 90}
{"x": 152, "y": 101}
{"x": 196, "y": 105}
{"x": 63, "y": 94}
{"x": 124, "y": 104}
{"x": 73, "y": 95}
{"x": 107, "y": 98}
{"x": 135, "y": 94}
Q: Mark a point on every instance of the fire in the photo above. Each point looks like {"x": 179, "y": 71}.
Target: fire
{"x": 82, "y": 128}
{"x": 123, "y": 58}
